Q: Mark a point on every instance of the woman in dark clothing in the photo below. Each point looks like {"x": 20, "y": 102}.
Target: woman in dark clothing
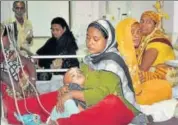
{"x": 62, "y": 42}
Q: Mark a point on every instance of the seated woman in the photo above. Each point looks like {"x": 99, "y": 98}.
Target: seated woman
{"x": 157, "y": 44}
{"x": 94, "y": 87}
{"x": 19, "y": 78}
{"x": 149, "y": 92}
{"x": 154, "y": 42}
{"x": 62, "y": 42}
{"x": 162, "y": 71}
{"x": 104, "y": 55}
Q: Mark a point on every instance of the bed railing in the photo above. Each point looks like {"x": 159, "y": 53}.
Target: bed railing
{"x": 55, "y": 56}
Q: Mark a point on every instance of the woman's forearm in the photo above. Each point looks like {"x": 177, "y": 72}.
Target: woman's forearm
{"x": 148, "y": 59}
{"x": 77, "y": 95}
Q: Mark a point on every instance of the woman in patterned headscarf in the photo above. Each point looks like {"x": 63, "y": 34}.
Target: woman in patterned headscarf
{"x": 155, "y": 49}
{"x": 154, "y": 42}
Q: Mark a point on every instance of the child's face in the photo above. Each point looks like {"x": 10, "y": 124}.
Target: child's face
{"x": 136, "y": 34}
{"x": 78, "y": 79}
{"x": 74, "y": 76}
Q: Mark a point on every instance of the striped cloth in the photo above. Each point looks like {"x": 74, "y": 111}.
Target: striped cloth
{"x": 162, "y": 72}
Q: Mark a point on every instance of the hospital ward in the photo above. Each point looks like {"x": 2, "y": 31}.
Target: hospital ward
{"x": 89, "y": 62}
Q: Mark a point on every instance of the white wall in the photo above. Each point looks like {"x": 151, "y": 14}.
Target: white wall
{"x": 83, "y": 12}
{"x": 6, "y": 10}
{"x": 114, "y": 5}
{"x": 138, "y": 7}
{"x": 81, "y": 17}
{"x": 37, "y": 43}
{"x": 175, "y": 18}
{"x": 114, "y": 11}
{"x": 169, "y": 9}
{"x": 175, "y": 26}
{"x": 42, "y": 16}
{"x": 131, "y": 8}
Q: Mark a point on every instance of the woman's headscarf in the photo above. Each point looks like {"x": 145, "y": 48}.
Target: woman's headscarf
{"x": 145, "y": 93}
{"x": 67, "y": 38}
{"x": 61, "y": 21}
{"x": 126, "y": 48}
{"x": 157, "y": 33}
{"x": 110, "y": 52}
{"x": 108, "y": 32}
{"x": 153, "y": 15}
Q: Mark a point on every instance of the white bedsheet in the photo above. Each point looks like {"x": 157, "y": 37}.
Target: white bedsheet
{"x": 161, "y": 111}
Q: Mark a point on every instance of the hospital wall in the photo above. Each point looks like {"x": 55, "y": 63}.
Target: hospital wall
{"x": 112, "y": 10}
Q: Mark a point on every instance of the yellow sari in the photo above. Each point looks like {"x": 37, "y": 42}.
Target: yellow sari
{"x": 150, "y": 91}
{"x": 159, "y": 41}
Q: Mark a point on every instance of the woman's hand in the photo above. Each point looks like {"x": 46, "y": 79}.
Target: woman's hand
{"x": 29, "y": 39}
{"x": 57, "y": 63}
{"x": 63, "y": 90}
{"x": 29, "y": 36}
{"x": 142, "y": 79}
{"x": 61, "y": 101}
{"x": 36, "y": 61}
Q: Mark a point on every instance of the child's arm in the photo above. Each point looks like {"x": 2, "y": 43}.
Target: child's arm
{"x": 63, "y": 90}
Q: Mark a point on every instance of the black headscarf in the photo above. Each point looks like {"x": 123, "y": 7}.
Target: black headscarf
{"x": 67, "y": 39}
{"x": 65, "y": 45}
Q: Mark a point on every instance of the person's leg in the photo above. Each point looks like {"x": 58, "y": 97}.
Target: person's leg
{"x": 140, "y": 118}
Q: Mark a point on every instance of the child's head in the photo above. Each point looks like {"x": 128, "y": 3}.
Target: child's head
{"x": 74, "y": 75}
{"x": 136, "y": 34}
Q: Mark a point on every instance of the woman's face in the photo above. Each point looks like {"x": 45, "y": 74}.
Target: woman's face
{"x": 95, "y": 41}
{"x": 136, "y": 34}
{"x": 57, "y": 30}
{"x": 147, "y": 25}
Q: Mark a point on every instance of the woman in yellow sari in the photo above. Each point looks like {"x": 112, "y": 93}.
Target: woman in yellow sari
{"x": 155, "y": 49}
{"x": 155, "y": 42}
{"x": 150, "y": 91}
